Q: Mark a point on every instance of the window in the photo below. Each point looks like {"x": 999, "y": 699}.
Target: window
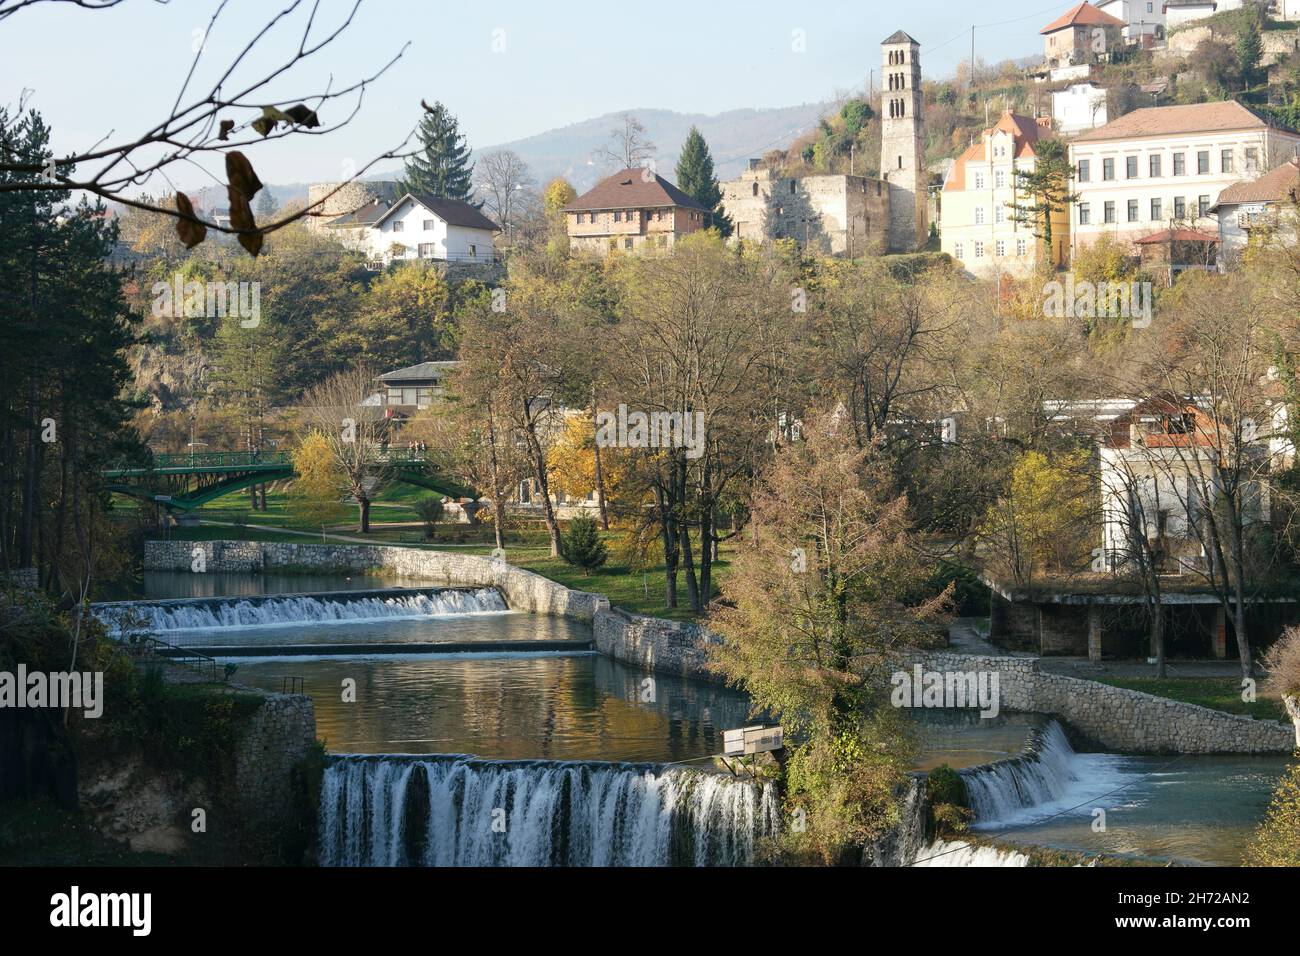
{"x": 1153, "y": 169}
{"x": 423, "y": 396}
{"x": 1022, "y": 247}
{"x": 979, "y": 180}
{"x": 1130, "y": 167}
{"x": 755, "y": 189}
{"x": 1202, "y": 162}
{"x": 1203, "y": 206}
{"x": 999, "y": 248}
{"x": 1180, "y": 164}
{"x": 1157, "y": 210}
{"x": 399, "y": 226}
{"x": 1252, "y": 159}
{"x": 979, "y": 215}
{"x": 956, "y": 250}
{"x": 1108, "y": 214}
{"x": 1180, "y": 207}
{"x": 1108, "y": 169}
{"x": 618, "y": 216}
{"x": 979, "y": 250}
{"x": 1001, "y": 215}
{"x": 1085, "y": 214}
{"x": 1150, "y": 6}
{"x": 1085, "y": 170}
{"x": 1132, "y": 210}
{"x": 792, "y": 187}
{"x": 1225, "y": 161}
{"x": 627, "y": 243}
{"x": 1000, "y": 179}
{"x": 426, "y": 250}
{"x": 473, "y": 250}
{"x": 429, "y": 225}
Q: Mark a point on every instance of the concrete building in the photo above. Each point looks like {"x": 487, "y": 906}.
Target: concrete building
{"x": 1165, "y": 166}
{"x": 978, "y": 226}
{"x": 406, "y": 390}
{"x": 1079, "y": 107}
{"x": 1181, "y": 12}
{"x": 1261, "y": 211}
{"x": 1143, "y": 18}
{"x": 1083, "y": 34}
{"x": 832, "y": 215}
{"x": 902, "y": 142}
{"x": 634, "y": 210}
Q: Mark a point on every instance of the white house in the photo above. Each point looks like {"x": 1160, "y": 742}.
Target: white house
{"x": 1264, "y": 208}
{"x": 1079, "y": 107}
{"x": 1166, "y": 165}
{"x": 1145, "y": 18}
{"x": 1179, "y": 12}
{"x": 429, "y": 227}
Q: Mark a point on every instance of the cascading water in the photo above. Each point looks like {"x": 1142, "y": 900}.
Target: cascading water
{"x": 303, "y": 609}
{"x": 1051, "y": 779}
{"x": 961, "y": 853}
{"x": 462, "y": 811}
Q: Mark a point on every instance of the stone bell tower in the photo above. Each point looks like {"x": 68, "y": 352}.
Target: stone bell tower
{"x": 902, "y": 142}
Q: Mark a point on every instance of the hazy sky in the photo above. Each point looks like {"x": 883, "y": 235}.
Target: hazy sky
{"x": 507, "y": 68}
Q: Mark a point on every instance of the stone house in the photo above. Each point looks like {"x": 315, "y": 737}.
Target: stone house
{"x": 1083, "y": 34}
{"x": 833, "y": 215}
{"x": 634, "y": 210}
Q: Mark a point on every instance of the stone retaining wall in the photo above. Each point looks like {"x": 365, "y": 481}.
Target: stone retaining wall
{"x": 673, "y": 647}
{"x": 523, "y": 590}
{"x": 278, "y": 736}
{"x": 1102, "y": 717}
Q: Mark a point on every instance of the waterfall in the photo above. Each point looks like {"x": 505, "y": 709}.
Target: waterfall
{"x": 961, "y": 853}
{"x": 462, "y": 811}
{"x": 164, "y": 617}
{"x": 1049, "y": 779}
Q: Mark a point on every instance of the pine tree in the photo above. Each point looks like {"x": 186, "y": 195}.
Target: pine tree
{"x": 582, "y": 546}
{"x": 442, "y": 167}
{"x": 695, "y": 178}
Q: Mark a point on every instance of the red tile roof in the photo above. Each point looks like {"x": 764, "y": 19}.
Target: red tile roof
{"x": 1277, "y": 185}
{"x": 1084, "y": 15}
{"x": 1164, "y": 120}
{"x": 631, "y": 189}
{"x": 1176, "y": 235}
{"x": 1025, "y": 130}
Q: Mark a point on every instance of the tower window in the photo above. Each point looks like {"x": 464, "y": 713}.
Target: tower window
{"x": 900, "y": 162}
{"x": 755, "y": 189}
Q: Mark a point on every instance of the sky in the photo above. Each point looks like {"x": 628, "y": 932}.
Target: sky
{"x": 507, "y": 68}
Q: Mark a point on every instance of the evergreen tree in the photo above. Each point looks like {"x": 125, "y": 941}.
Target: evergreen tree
{"x": 442, "y": 167}
{"x": 1045, "y": 190}
{"x": 695, "y": 178}
{"x": 582, "y": 546}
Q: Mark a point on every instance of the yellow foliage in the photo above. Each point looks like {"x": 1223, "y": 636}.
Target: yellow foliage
{"x": 315, "y": 497}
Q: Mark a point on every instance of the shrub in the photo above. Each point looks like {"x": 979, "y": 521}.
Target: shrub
{"x": 581, "y": 544}
{"x": 1277, "y": 841}
{"x": 945, "y": 792}
{"x": 431, "y": 510}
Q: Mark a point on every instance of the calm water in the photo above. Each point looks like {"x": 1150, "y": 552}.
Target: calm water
{"x": 584, "y": 707}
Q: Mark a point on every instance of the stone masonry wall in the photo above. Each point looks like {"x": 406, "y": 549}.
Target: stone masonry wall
{"x": 1109, "y": 718}
{"x": 673, "y": 647}
{"x": 279, "y": 734}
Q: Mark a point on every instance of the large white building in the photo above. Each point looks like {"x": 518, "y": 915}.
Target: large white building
{"x": 1166, "y": 165}
{"x": 1144, "y": 18}
{"x": 978, "y": 224}
{"x": 1079, "y": 107}
{"x": 1179, "y": 12}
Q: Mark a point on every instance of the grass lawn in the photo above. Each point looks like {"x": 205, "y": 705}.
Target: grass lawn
{"x": 1217, "y": 693}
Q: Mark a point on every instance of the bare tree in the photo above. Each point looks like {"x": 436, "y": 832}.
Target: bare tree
{"x": 629, "y": 147}
{"x": 356, "y": 431}
{"x": 506, "y": 182}
{"x": 217, "y": 122}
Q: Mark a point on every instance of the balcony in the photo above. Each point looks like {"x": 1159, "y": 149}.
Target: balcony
{"x": 1257, "y": 220}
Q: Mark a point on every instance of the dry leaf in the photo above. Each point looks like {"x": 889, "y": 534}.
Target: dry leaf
{"x": 226, "y": 127}
{"x": 241, "y": 219}
{"x": 188, "y": 227}
{"x": 303, "y": 116}
{"x": 240, "y": 174}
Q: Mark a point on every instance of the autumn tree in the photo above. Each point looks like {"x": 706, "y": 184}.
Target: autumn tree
{"x": 354, "y": 430}
{"x": 315, "y": 497}
{"x": 506, "y": 184}
{"x": 826, "y": 591}
{"x": 405, "y": 317}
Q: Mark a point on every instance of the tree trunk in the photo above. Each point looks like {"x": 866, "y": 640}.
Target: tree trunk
{"x": 1292, "y": 705}
{"x": 363, "y": 504}
{"x": 599, "y": 471}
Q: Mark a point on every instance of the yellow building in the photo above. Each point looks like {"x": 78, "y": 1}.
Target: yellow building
{"x": 978, "y": 225}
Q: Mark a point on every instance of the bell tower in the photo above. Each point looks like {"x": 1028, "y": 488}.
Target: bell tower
{"x": 902, "y": 142}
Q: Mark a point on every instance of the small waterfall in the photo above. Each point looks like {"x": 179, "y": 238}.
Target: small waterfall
{"x": 163, "y": 617}
{"x": 961, "y": 853}
{"x": 998, "y": 791}
{"x": 462, "y": 811}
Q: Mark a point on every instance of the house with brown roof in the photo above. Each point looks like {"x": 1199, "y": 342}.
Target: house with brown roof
{"x": 1083, "y": 34}
{"x": 633, "y": 210}
{"x": 977, "y": 220}
{"x": 1164, "y": 167}
{"x": 421, "y": 226}
{"x": 1263, "y": 210}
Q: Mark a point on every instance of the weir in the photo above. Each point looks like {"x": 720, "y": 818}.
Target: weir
{"x": 278, "y": 610}
{"x": 449, "y": 810}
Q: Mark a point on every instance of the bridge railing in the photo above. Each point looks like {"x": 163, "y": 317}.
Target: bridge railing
{"x": 220, "y": 459}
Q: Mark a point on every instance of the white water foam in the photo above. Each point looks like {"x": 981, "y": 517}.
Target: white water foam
{"x": 961, "y": 853}
{"x": 459, "y": 811}
{"x": 278, "y": 612}
{"x": 1053, "y": 781}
